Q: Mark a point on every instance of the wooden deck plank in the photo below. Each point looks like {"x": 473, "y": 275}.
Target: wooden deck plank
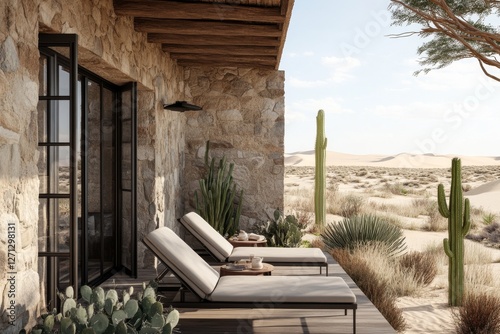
{"x": 260, "y": 321}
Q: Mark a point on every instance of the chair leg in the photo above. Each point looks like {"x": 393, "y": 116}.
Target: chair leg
{"x": 354, "y": 321}
{"x": 162, "y": 274}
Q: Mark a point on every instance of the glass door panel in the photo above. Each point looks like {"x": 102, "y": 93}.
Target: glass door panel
{"x": 127, "y": 188}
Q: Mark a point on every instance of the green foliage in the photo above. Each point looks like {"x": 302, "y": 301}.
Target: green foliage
{"x": 361, "y": 230}
{"x": 489, "y": 218}
{"x": 320, "y": 171}
{"x": 217, "y": 203}
{"x": 454, "y": 30}
{"x": 458, "y": 214}
{"x": 282, "y": 231}
{"x": 102, "y": 313}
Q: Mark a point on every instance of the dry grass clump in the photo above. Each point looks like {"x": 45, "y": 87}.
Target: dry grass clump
{"x": 422, "y": 266}
{"x": 350, "y": 205}
{"x": 478, "y": 276}
{"x": 479, "y": 314}
{"x": 489, "y": 235}
{"x": 398, "y": 281}
{"x": 475, "y": 253}
{"x": 374, "y": 288}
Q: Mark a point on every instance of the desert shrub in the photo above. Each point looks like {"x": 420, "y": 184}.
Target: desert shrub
{"x": 374, "y": 288}
{"x": 436, "y": 251}
{"x": 489, "y": 218}
{"x": 350, "y": 205}
{"x": 396, "y": 188}
{"x": 489, "y": 235}
{"x": 422, "y": 266}
{"x": 399, "y": 281}
{"x": 318, "y": 243}
{"x": 476, "y": 253}
{"x": 478, "y": 276}
{"x": 479, "y": 314}
{"x": 282, "y": 231}
{"x": 360, "y": 230}
{"x": 435, "y": 222}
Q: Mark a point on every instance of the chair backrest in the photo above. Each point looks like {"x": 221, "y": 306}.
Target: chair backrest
{"x": 207, "y": 235}
{"x": 182, "y": 260}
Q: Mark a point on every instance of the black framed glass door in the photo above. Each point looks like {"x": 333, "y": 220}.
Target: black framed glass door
{"x": 128, "y": 167}
{"x": 87, "y": 148}
{"x": 58, "y": 153}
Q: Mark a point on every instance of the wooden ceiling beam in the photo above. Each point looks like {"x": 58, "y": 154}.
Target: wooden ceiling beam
{"x": 224, "y": 63}
{"x": 229, "y": 50}
{"x": 203, "y": 39}
{"x": 269, "y": 60}
{"x": 196, "y": 10}
{"x": 204, "y": 28}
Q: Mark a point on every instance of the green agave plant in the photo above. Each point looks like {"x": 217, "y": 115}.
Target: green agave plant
{"x": 363, "y": 229}
{"x": 103, "y": 312}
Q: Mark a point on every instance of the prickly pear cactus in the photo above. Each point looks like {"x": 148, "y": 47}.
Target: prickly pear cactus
{"x": 320, "y": 171}
{"x": 102, "y": 312}
{"x": 458, "y": 226}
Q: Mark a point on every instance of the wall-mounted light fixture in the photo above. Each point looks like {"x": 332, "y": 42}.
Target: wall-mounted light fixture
{"x": 181, "y": 106}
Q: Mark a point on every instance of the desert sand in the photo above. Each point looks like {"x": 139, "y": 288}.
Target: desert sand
{"x": 419, "y": 175}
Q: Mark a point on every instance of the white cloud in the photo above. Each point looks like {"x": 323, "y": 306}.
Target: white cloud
{"x": 302, "y": 109}
{"x": 301, "y": 54}
{"x": 338, "y": 70}
{"x": 296, "y": 82}
{"x": 340, "y": 67}
{"x": 415, "y": 110}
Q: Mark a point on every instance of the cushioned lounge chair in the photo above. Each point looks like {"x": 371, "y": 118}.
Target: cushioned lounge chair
{"x": 269, "y": 292}
{"x": 221, "y": 250}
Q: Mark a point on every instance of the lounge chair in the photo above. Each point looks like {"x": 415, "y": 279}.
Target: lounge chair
{"x": 221, "y": 250}
{"x": 268, "y": 292}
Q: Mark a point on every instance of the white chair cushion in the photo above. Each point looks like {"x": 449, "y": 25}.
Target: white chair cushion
{"x": 278, "y": 254}
{"x": 282, "y": 289}
{"x": 183, "y": 260}
{"x": 207, "y": 235}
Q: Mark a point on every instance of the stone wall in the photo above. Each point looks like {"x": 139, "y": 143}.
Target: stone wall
{"x": 243, "y": 117}
{"x": 19, "y": 280}
{"x": 109, "y": 47}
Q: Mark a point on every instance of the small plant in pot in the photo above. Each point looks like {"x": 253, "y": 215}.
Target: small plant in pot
{"x": 103, "y": 312}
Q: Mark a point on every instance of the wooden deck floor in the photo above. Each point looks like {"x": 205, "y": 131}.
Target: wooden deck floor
{"x": 247, "y": 321}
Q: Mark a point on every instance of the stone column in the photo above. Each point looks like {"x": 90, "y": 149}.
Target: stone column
{"x": 19, "y": 280}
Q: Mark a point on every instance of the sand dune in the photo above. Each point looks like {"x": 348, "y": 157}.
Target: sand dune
{"x": 486, "y": 196}
{"x": 403, "y": 160}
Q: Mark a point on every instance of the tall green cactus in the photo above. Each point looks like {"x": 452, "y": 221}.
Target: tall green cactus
{"x": 320, "y": 171}
{"x": 217, "y": 202}
{"x": 458, "y": 214}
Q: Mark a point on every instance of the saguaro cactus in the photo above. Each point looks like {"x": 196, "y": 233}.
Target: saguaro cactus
{"x": 320, "y": 171}
{"x": 458, "y": 214}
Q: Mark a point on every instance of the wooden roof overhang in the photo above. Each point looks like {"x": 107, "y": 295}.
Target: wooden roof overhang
{"x": 241, "y": 33}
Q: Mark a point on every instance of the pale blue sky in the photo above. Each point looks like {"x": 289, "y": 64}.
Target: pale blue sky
{"x": 338, "y": 57}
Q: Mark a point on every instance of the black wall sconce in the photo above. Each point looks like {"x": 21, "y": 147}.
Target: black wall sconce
{"x": 181, "y": 106}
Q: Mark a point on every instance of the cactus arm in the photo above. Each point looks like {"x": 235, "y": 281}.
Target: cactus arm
{"x": 447, "y": 249}
{"x": 466, "y": 223}
{"x": 442, "y": 206}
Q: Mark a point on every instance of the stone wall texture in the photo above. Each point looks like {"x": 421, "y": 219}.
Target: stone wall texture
{"x": 19, "y": 280}
{"x": 243, "y": 117}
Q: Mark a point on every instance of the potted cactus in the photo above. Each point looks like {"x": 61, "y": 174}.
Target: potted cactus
{"x": 102, "y": 312}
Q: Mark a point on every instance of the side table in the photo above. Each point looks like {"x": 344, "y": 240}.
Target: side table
{"x": 266, "y": 270}
{"x": 249, "y": 243}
